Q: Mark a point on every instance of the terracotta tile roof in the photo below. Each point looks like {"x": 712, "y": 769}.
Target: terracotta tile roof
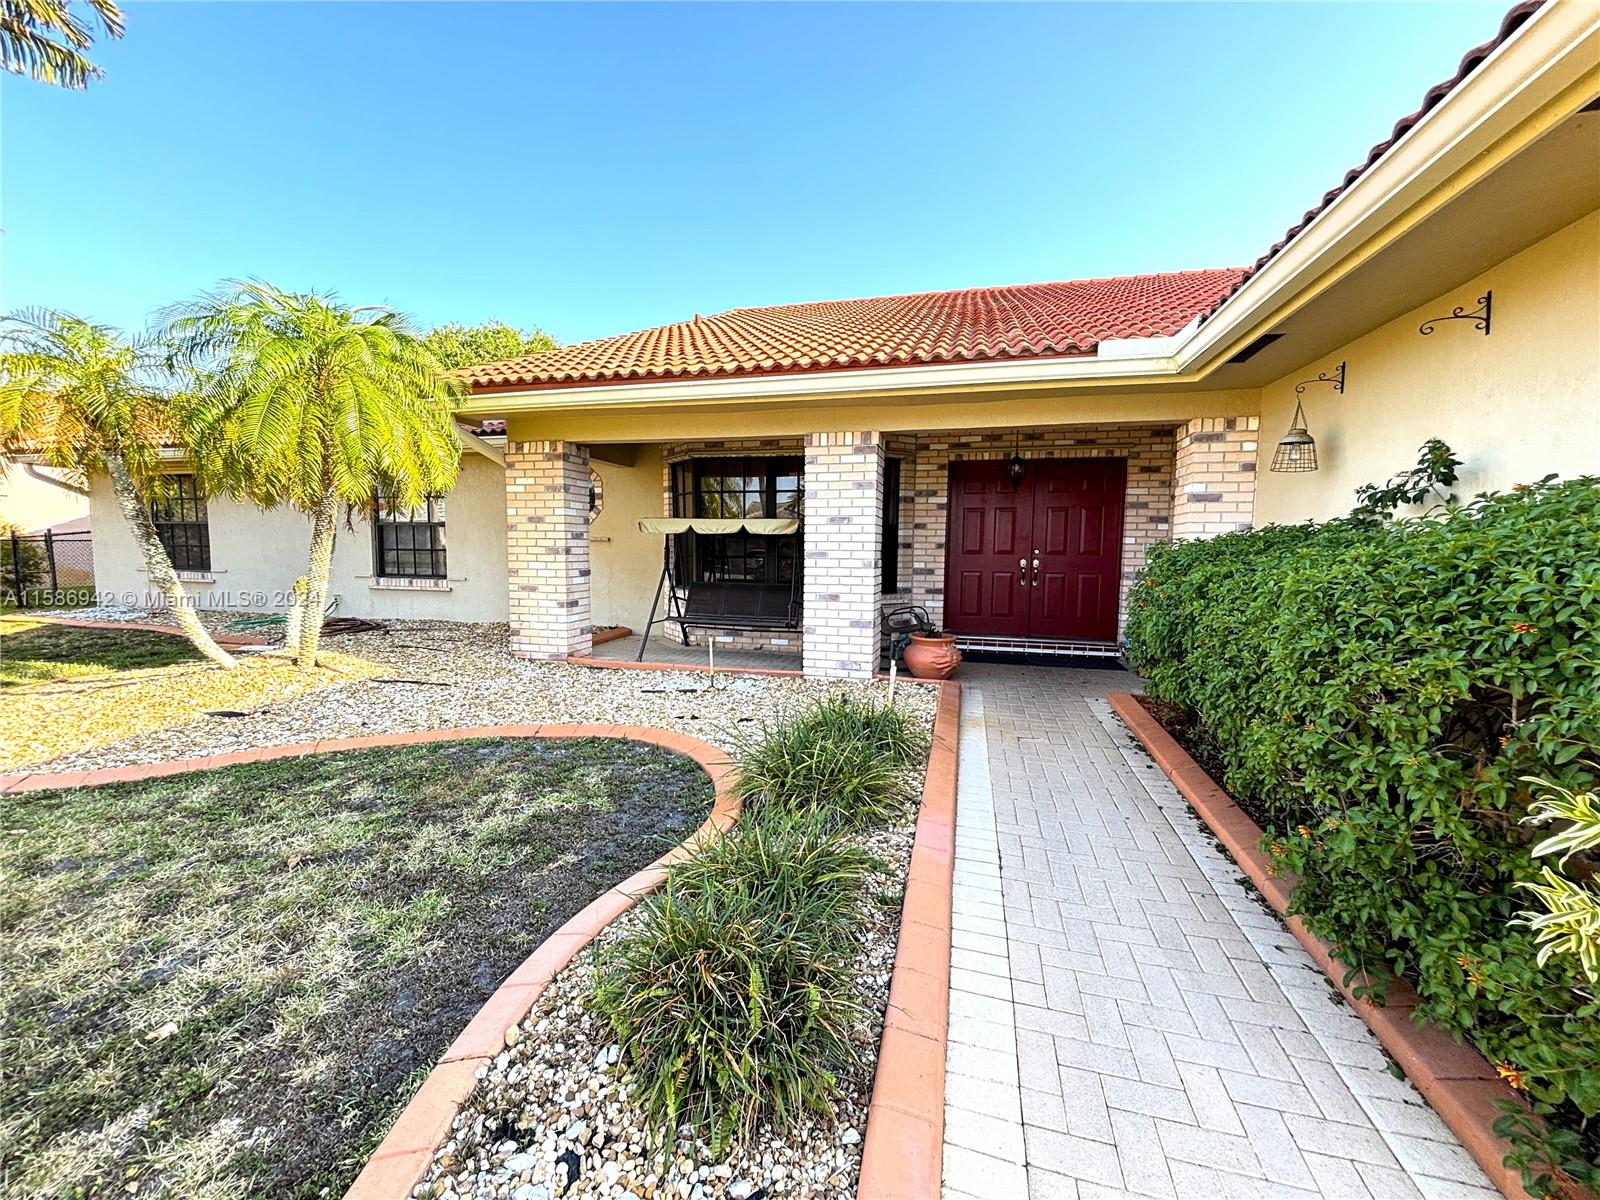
{"x": 1036, "y": 320}
{"x": 1509, "y": 24}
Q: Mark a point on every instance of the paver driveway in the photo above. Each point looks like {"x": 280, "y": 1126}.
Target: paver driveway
{"x": 1125, "y": 1018}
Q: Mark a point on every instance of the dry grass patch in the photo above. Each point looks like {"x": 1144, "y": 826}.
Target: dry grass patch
{"x": 226, "y": 984}
{"x": 98, "y": 686}
{"x": 42, "y": 652}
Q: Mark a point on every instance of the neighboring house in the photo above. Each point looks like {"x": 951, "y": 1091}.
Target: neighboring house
{"x": 1137, "y": 409}
{"x": 34, "y": 498}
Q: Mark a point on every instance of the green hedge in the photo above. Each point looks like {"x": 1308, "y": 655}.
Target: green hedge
{"x": 1376, "y": 692}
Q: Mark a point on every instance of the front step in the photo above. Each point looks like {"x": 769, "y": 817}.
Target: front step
{"x": 1060, "y": 648}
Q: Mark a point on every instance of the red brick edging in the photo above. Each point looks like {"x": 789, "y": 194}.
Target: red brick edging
{"x": 1453, "y": 1077}
{"x": 601, "y": 636}
{"x": 407, "y": 1150}
{"x": 902, "y": 1157}
{"x": 903, "y": 1147}
{"x": 627, "y": 664}
{"x": 225, "y": 640}
{"x": 621, "y": 664}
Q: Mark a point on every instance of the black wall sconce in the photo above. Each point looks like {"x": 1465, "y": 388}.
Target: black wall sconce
{"x": 1481, "y": 315}
{"x": 1016, "y": 468}
{"x": 1297, "y": 449}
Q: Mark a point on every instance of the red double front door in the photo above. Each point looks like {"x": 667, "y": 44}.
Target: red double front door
{"x": 1039, "y": 560}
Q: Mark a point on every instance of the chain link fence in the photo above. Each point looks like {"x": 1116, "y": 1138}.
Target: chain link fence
{"x": 47, "y": 570}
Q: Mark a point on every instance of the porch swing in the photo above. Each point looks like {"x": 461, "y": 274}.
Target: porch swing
{"x": 720, "y": 604}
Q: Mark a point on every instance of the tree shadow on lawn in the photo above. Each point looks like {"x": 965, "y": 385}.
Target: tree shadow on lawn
{"x": 229, "y": 983}
{"x": 35, "y": 653}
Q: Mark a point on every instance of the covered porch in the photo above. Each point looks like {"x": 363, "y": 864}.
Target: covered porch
{"x": 1017, "y": 540}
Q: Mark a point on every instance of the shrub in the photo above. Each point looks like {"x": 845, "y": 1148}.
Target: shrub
{"x": 845, "y": 759}
{"x": 1380, "y": 691}
{"x": 734, "y": 998}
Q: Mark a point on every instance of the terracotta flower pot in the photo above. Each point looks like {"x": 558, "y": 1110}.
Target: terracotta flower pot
{"x": 931, "y": 657}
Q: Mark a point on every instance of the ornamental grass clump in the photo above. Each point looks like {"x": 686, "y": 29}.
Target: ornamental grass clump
{"x": 734, "y": 999}
{"x": 847, "y": 760}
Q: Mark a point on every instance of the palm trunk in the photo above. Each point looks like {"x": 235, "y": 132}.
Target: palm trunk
{"x": 295, "y": 617}
{"x": 157, "y": 565}
{"x": 311, "y": 590}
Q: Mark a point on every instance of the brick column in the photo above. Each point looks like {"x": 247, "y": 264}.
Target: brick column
{"x": 547, "y": 548}
{"x": 1214, "y": 476}
{"x": 843, "y": 553}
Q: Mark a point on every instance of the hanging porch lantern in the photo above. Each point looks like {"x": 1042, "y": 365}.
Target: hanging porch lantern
{"x": 1016, "y": 468}
{"x": 1297, "y": 450}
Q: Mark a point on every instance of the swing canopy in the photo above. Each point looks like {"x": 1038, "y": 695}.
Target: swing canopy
{"x": 764, "y": 526}
{"x": 721, "y": 604}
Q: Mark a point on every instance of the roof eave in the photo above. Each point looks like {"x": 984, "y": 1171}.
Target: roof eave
{"x": 1513, "y": 97}
{"x": 821, "y": 384}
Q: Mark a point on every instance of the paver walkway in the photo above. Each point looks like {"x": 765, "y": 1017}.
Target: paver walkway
{"x": 1125, "y": 1017}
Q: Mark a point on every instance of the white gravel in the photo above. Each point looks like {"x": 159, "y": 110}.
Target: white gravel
{"x": 440, "y": 674}
{"x": 559, "y": 1092}
{"x": 558, "y": 1087}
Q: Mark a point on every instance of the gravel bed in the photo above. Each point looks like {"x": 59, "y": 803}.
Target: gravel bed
{"x": 440, "y": 674}
{"x": 551, "y": 1117}
{"x": 215, "y": 620}
{"x": 556, "y": 1096}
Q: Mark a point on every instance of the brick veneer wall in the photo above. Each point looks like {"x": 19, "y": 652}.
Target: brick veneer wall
{"x": 1193, "y": 482}
{"x": 843, "y": 534}
{"x": 1147, "y": 518}
{"x": 1214, "y": 483}
{"x": 547, "y": 548}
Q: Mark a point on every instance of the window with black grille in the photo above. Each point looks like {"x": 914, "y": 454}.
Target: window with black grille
{"x": 735, "y": 488}
{"x": 409, "y": 542}
{"x": 180, "y": 522}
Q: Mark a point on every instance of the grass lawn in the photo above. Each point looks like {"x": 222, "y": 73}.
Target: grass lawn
{"x": 34, "y": 652}
{"x": 227, "y": 984}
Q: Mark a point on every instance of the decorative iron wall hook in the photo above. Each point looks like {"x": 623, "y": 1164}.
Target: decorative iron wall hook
{"x": 1481, "y": 315}
{"x": 1335, "y": 377}
{"x": 1297, "y": 450}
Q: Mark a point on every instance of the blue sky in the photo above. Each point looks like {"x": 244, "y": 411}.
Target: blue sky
{"x": 597, "y": 168}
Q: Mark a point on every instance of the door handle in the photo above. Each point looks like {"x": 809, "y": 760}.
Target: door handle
{"x": 1022, "y": 577}
{"x": 1036, "y": 569}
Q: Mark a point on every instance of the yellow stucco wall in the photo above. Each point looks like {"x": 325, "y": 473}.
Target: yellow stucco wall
{"x": 255, "y": 552}
{"x": 625, "y": 563}
{"x": 1515, "y": 406}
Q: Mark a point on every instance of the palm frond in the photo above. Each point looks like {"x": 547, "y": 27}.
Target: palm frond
{"x": 46, "y": 40}
{"x": 300, "y": 396}
{"x": 72, "y": 392}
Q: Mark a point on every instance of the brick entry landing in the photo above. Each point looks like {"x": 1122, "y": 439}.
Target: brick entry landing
{"x": 1125, "y": 1018}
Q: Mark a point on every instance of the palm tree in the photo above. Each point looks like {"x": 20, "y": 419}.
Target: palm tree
{"x": 45, "y": 39}
{"x": 302, "y": 400}
{"x": 79, "y": 395}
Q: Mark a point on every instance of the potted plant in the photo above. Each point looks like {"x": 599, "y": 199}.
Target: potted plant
{"x": 931, "y": 654}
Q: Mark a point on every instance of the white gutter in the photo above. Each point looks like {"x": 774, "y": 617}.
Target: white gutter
{"x": 1548, "y": 53}
{"x": 471, "y": 441}
{"x": 33, "y": 470}
{"x": 824, "y": 383}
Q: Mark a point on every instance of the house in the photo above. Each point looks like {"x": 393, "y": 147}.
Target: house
{"x": 35, "y": 497}
{"x": 1005, "y": 456}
